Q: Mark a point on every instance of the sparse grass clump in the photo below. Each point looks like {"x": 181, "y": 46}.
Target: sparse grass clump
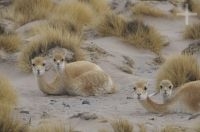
{"x": 25, "y": 11}
{"x": 50, "y": 38}
{"x": 194, "y": 6}
{"x": 122, "y": 126}
{"x": 7, "y": 93}
{"x": 134, "y": 32}
{"x": 171, "y": 128}
{"x": 81, "y": 13}
{"x": 112, "y": 24}
{"x": 8, "y": 123}
{"x": 179, "y": 69}
{"x": 100, "y": 6}
{"x": 147, "y": 10}
{"x": 52, "y": 126}
{"x": 192, "y": 31}
{"x": 10, "y": 42}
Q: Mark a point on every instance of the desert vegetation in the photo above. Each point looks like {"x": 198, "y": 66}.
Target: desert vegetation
{"x": 134, "y": 32}
{"x": 147, "y": 10}
{"x": 194, "y": 6}
{"x": 179, "y": 69}
{"x": 192, "y": 31}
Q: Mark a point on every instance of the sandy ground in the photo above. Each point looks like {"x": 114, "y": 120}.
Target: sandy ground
{"x": 34, "y": 105}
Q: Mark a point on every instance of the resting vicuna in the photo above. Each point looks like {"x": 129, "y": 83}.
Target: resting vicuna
{"x": 73, "y": 81}
{"x": 185, "y": 100}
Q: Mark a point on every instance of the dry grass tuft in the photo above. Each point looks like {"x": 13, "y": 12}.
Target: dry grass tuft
{"x": 194, "y": 6}
{"x": 10, "y": 42}
{"x": 147, "y": 10}
{"x": 2, "y": 30}
{"x": 111, "y": 24}
{"x": 8, "y": 123}
{"x": 81, "y": 13}
{"x": 171, "y": 128}
{"x": 24, "y": 11}
{"x": 134, "y": 32}
{"x": 64, "y": 23}
{"x": 50, "y": 38}
{"x": 7, "y": 93}
{"x": 192, "y": 31}
{"x": 53, "y": 126}
{"x": 100, "y": 6}
{"x": 122, "y": 126}
{"x": 179, "y": 69}
{"x": 143, "y": 36}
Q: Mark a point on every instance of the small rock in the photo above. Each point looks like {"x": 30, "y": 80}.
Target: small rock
{"x": 25, "y": 112}
{"x": 66, "y": 105}
{"x": 129, "y": 97}
{"x": 85, "y": 116}
{"x": 126, "y": 69}
{"x": 152, "y": 119}
{"x": 85, "y": 102}
{"x": 44, "y": 115}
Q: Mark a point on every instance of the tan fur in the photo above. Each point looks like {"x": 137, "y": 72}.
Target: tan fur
{"x": 179, "y": 69}
{"x": 186, "y": 100}
{"x": 166, "y": 89}
{"x": 77, "y": 79}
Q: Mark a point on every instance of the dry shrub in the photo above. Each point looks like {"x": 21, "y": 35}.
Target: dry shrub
{"x": 194, "y": 6}
{"x": 7, "y": 93}
{"x": 122, "y": 126}
{"x": 50, "y": 38}
{"x": 10, "y": 42}
{"x": 52, "y": 126}
{"x": 8, "y": 123}
{"x": 147, "y": 10}
{"x": 64, "y": 23}
{"x": 25, "y": 11}
{"x": 192, "y": 31}
{"x": 111, "y": 24}
{"x": 100, "y": 6}
{"x": 134, "y": 32}
{"x": 81, "y": 13}
{"x": 179, "y": 69}
{"x": 143, "y": 36}
{"x": 173, "y": 128}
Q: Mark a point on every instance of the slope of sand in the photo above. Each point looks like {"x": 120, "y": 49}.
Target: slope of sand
{"x": 34, "y": 105}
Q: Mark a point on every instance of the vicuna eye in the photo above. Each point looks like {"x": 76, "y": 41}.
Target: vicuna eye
{"x": 33, "y": 64}
{"x": 54, "y": 60}
{"x": 145, "y": 88}
{"x": 160, "y": 86}
{"x": 43, "y": 64}
{"x": 62, "y": 59}
{"x": 170, "y": 87}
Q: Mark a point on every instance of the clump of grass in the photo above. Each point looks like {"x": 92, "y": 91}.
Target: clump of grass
{"x": 171, "y": 128}
{"x": 25, "y": 11}
{"x": 8, "y": 123}
{"x": 192, "y": 31}
{"x": 10, "y": 42}
{"x": 100, "y": 6}
{"x": 143, "y": 36}
{"x": 81, "y": 13}
{"x": 2, "y": 30}
{"x": 134, "y": 32}
{"x": 53, "y": 126}
{"x": 112, "y": 24}
{"x": 7, "y": 93}
{"x": 50, "y": 38}
{"x": 194, "y": 6}
{"x": 64, "y": 23}
{"x": 122, "y": 126}
{"x": 179, "y": 69}
{"x": 147, "y": 10}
